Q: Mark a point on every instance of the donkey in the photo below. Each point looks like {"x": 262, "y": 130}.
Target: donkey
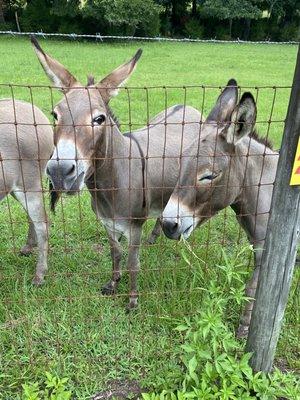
{"x": 26, "y": 145}
{"x": 130, "y": 177}
{"x": 228, "y": 166}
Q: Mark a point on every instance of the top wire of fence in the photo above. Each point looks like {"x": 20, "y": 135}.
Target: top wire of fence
{"x": 100, "y": 37}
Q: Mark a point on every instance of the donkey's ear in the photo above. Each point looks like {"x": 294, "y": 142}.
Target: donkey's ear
{"x": 225, "y": 103}
{"x": 110, "y": 84}
{"x": 243, "y": 119}
{"x": 56, "y": 72}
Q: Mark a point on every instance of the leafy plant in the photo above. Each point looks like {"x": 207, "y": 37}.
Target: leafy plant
{"x": 213, "y": 365}
{"x": 52, "y": 388}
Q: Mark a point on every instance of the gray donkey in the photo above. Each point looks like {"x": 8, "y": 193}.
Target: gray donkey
{"x": 26, "y": 145}
{"x": 228, "y": 166}
{"x": 130, "y": 177}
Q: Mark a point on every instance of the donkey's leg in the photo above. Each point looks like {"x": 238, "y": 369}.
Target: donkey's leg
{"x": 250, "y": 292}
{"x": 31, "y": 241}
{"x": 34, "y": 205}
{"x": 155, "y": 232}
{"x": 116, "y": 254}
{"x": 133, "y": 263}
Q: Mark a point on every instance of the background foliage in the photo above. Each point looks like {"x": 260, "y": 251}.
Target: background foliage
{"x": 245, "y": 19}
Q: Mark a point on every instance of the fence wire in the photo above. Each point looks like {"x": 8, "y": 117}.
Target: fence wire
{"x": 189, "y": 171}
{"x": 98, "y": 36}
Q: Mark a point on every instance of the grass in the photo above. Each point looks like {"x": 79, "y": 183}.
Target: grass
{"x": 67, "y": 327}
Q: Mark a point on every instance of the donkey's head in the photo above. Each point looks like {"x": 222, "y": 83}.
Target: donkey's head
{"x": 81, "y": 119}
{"x": 210, "y": 178}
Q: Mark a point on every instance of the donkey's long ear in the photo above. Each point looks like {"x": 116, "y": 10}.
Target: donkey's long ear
{"x": 110, "y": 84}
{"x": 243, "y": 119}
{"x": 56, "y": 72}
{"x": 225, "y": 103}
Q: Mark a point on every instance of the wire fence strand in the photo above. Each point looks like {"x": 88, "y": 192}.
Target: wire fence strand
{"x": 99, "y": 37}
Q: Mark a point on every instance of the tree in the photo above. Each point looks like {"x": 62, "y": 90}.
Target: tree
{"x": 2, "y": 20}
{"x": 66, "y": 8}
{"x": 125, "y": 16}
{"x": 175, "y": 11}
{"x": 231, "y": 10}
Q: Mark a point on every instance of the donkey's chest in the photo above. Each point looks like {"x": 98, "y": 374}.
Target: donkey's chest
{"x": 116, "y": 227}
{"x": 116, "y": 224}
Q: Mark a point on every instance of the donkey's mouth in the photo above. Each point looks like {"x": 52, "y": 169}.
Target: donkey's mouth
{"x": 76, "y": 185}
{"x": 188, "y": 231}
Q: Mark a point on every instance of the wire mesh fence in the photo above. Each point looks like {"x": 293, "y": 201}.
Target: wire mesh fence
{"x": 187, "y": 171}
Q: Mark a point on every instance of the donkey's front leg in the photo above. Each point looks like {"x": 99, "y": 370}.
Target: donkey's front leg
{"x": 116, "y": 254}
{"x": 156, "y": 231}
{"x": 31, "y": 241}
{"x": 133, "y": 264}
{"x": 250, "y": 292}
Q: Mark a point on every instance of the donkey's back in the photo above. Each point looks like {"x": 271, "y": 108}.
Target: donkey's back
{"x": 163, "y": 142}
{"x": 26, "y": 144}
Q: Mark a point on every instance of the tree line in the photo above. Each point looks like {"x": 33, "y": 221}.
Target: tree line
{"x": 277, "y": 20}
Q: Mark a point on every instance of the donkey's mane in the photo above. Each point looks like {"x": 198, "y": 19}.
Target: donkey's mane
{"x": 265, "y": 141}
{"x": 113, "y": 116}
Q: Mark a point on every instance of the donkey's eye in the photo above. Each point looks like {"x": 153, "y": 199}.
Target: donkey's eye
{"x": 99, "y": 119}
{"x": 208, "y": 177}
{"x": 54, "y": 114}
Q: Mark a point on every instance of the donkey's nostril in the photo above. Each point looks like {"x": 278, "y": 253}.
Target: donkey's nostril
{"x": 170, "y": 227}
{"x": 68, "y": 170}
{"x": 72, "y": 169}
{"x": 174, "y": 227}
{"x": 48, "y": 171}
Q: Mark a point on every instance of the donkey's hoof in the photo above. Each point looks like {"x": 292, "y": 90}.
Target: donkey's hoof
{"x": 38, "y": 281}
{"x": 26, "y": 250}
{"x": 109, "y": 289}
{"x": 242, "y": 331}
{"x": 151, "y": 239}
{"x": 132, "y": 305}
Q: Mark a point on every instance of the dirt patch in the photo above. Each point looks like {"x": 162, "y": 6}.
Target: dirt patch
{"x": 120, "y": 390}
{"x": 97, "y": 248}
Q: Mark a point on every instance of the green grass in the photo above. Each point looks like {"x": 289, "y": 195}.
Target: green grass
{"x": 67, "y": 327}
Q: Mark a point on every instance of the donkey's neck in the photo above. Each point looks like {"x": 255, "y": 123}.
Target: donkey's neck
{"x": 112, "y": 156}
{"x": 255, "y": 164}
{"x": 112, "y": 145}
{"x": 255, "y": 170}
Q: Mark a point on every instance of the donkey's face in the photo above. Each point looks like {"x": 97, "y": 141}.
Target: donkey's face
{"x": 82, "y": 117}
{"x": 209, "y": 180}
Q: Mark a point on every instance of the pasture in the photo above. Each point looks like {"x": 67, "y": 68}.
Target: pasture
{"x": 67, "y": 327}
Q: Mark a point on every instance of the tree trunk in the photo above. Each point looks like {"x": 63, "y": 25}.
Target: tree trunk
{"x": 247, "y": 28}
{"x": 2, "y": 19}
{"x": 194, "y": 8}
{"x": 178, "y": 11}
{"x": 230, "y": 27}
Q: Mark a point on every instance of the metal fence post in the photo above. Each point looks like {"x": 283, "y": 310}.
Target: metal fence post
{"x": 280, "y": 245}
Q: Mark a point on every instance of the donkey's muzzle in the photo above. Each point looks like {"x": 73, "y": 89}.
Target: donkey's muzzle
{"x": 171, "y": 228}
{"x": 65, "y": 175}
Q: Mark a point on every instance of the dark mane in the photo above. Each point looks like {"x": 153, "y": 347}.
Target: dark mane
{"x": 265, "y": 141}
{"x": 113, "y": 116}
{"x": 90, "y": 80}
{"x": 54, "y": 197}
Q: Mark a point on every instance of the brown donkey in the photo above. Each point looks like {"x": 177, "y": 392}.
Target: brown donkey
{"x": 26, "y": 145}
{"x": 131, "y": 176}
{"x": 228, "y": 166}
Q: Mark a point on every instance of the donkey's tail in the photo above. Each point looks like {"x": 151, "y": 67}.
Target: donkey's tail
{"x": 54, "y": 196}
